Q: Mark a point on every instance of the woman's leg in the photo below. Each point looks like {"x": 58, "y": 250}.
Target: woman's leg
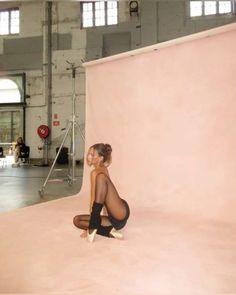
{"x": 82, "y": 222}
{"x": 105, "y": 193}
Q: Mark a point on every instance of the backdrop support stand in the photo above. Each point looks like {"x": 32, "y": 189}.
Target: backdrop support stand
{"x": 70, "y": 129}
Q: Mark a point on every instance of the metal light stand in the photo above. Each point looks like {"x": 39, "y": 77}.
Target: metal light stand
{"x": 70, "y": 128}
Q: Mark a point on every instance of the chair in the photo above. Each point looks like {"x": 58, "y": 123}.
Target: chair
{"x": 25, "y": 154}
{"x": 2, "y": 158}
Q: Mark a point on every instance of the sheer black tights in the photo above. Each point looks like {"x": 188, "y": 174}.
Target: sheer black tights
{"x": 105, "y": 195}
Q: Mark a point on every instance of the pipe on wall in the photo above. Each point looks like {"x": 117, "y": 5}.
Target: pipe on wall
{"x": 48, "y": 65}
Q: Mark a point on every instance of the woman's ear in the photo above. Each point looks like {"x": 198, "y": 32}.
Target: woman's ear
{"x": 101, "y": 159}
{"x": 106, "y": 164}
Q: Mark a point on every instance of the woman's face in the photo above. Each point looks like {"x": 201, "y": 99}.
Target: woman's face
{"x": 93, "y": 158}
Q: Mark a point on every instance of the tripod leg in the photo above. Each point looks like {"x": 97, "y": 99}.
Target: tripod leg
{"x": 54, "y": 162}
{"x": 81, "y": 133}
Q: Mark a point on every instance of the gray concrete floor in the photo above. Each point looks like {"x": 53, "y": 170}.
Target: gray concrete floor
{"x": 19, "y": 187}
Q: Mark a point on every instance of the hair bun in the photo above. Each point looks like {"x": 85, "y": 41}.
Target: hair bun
{"x": 108, "y": 149}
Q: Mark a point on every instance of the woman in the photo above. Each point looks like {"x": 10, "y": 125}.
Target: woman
{"x": 103, "y": 194}
{"x": 19, "y": 144}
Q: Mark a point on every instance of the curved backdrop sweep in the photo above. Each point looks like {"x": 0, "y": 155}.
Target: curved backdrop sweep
{"x": 169, "y": 112}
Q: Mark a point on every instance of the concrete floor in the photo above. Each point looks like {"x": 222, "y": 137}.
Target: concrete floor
{"x": 20, "y": 186}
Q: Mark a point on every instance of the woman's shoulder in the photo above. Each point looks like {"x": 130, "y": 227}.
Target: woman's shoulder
{"x": 99, "y": 170}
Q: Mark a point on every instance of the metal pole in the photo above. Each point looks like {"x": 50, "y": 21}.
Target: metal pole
{"x": 72, "y": 161}
{"x": 49, "y": 67}
{"x": 73, "y": 124}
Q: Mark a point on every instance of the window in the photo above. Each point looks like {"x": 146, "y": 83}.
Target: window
{"x": 95, "y": 14}
{"x": 112, "y": 13}
{"x": 195, "y": 8}
{"x": 9, "y": 21}
{"x": 225, "y": 6}
{"x": 11, "y": 125}
{"x": 210, "y": 7}
{"x": 9, "y": 92}
{"x": 12, "y": 89}
{"x": 99, "y": 14}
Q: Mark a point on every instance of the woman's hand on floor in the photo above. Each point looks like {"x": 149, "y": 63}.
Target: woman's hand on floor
{"x": 83, "y": 234}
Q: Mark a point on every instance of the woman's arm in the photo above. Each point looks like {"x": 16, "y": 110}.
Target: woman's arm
{"x": 93, "y": 176}
{"x": 92, "y": 189}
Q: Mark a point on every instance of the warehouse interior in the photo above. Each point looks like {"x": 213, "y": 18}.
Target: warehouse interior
{"x": 139, "y": 75}
{"x": 51, "y": 35}
{"x": 41, "y": 39}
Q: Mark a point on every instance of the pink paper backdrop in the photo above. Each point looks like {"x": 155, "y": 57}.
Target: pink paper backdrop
{"x": 170, "y": 115}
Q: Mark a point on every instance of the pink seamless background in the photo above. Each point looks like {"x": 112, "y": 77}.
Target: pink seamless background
{"x": 169, "y": 113}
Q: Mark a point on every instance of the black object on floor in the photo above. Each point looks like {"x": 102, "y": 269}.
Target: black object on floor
{"x": 63, "y": 155}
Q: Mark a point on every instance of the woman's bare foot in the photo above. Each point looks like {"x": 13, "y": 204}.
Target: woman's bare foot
{"x": 83, "y": 234}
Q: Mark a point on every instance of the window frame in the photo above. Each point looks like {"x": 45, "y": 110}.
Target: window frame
{"x": 93, "y": 11}
{"x": 232, "y": 12}
{"x": 9, "y": 10}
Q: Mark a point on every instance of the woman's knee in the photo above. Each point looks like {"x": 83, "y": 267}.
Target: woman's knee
{"x": 76, "y": 221}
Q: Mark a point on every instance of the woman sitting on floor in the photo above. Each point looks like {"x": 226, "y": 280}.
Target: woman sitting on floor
{"x": 103, "y": 194}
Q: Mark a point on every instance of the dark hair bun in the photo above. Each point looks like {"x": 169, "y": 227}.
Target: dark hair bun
{"x": 108, "y": 149}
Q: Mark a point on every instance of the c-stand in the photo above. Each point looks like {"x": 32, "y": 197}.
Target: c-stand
{"x": 72, "y": 124}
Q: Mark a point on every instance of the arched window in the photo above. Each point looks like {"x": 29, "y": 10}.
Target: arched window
{"x": 9, "y": 92}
